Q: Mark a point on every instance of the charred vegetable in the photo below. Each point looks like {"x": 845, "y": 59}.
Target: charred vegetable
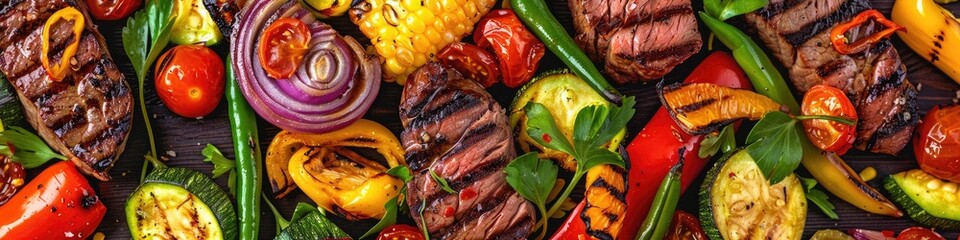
{"x": 180, "y": 203}
{"x": 927, "y": 199}
{"x": 701, "y": 108}
{"x": 338, "y": 179}
{"x": 327, "y": 8}
{"x": 224, "y": 13}
{"x": 737, "y": 202}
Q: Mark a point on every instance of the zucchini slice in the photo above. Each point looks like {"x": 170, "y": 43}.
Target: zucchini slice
{"x": 737, "y": 202}
{"x": 312, "y": 226}
{"x": 927, "y": 199}
{"x": 179, "y": 203}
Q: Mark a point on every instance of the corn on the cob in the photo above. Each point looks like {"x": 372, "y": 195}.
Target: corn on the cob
{"x": 408, "y": 33}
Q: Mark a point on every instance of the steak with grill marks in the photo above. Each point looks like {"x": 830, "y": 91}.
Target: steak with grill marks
{"x": 87, "y": 115}
{"x": 454, "y": 128}
{"x": 636, "y": 39}
{"x": 798, "y": 34}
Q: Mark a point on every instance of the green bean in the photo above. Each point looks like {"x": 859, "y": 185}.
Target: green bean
{"x": 243, "y": 126}
{"x": 664, "y": 204}
{"x": 538, "y": 19}
{"x": 763, "y": 74}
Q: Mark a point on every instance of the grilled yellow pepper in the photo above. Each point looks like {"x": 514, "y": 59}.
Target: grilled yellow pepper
{"x": 338, "y": 179}
{"x": 408, "y": 33}
{"x": 932, "y": 31}
{"x": 326, "y": 8}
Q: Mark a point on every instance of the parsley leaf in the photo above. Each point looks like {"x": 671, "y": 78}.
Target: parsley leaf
{"x": 726, "y": 9}
{"x": 533, "y": 178}
{"x": 722, "y": 142}
{"x": 27, "y": 148}
{"x": 221, "y": 165}
{"x": 392, "y": 206}
{"x": 542, "y": 128}
{"x": 442, "y": 182}
{"x": 146, "y": 34}
{"x": 818, "y": 197}
{"x": 774, "y": 143}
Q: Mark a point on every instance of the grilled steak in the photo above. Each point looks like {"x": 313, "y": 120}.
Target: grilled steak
{"x": 87, "y": 115}
{"x": 636, "y": 39}
{"x": 797, "y": 32}
{"x": 453, "y": 127}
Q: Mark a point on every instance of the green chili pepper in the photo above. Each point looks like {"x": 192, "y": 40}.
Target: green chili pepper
{"x": 763, "y": 74}
{"x": 243, "y": 126}
{"x": 538, "y": 19}
{"x": 664, "y": 204}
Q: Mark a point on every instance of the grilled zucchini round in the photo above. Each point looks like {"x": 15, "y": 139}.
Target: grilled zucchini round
{"x": 179, "y": 203}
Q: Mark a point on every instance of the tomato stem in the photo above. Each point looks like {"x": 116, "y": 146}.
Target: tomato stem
{"x": 828, "y": 118}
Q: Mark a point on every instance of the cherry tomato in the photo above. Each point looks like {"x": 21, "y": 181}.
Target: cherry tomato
{"x": 936, "y": 142}
{"x": 189, "y": 80}
{"x": 471, "y": 61}
{"x": 685, "y": 227}
{"x": 518, "y": 51}
{"x": 919, "y": 233}
{"x": 112, "y": 9}
{"x": 282, "y": 47}
{"x": 828, "y": 135}
{"x": 400, "y": 232}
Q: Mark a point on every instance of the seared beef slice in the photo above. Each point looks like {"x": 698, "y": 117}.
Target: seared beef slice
{"x": 453, "y": 127}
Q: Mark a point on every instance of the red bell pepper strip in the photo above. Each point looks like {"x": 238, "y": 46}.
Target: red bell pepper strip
{"x": 57, "y": 204}
{"x": 654, "y": 151}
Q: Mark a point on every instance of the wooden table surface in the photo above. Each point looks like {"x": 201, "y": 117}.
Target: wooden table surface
{"x": 182, "y": 139}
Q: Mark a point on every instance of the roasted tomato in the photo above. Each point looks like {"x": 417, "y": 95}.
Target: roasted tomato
{"x": 282, "y": 47}
{"x": 518, "y": 50}
{"x": 471, "y": 61}
{"x": 400, "y": 232}
{"x": 828, "y": 135}
{"x": 685, "y": 226}
{"x": 936, "y": 142}
{"x": 189, "y": 80}
{"x": 112, "y": 9}
{"x": 919, "y": 233}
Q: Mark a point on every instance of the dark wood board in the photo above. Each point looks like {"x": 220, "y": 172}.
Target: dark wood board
{"x": 184, "y": 137}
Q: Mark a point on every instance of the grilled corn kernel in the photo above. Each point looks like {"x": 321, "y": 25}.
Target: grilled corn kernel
{"x": 408, "y": 33}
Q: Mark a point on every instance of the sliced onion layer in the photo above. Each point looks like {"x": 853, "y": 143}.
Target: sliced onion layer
{"x": 334, "y": 86}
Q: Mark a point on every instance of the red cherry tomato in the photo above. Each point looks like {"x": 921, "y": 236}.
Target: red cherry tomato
{"x": 518, "y": 51}
{"x": 400, "y": 232}
{"x": 112, "y": 9}
{"x": 685, "y": 227}
{"x": 471, "y": 61}
{"x": 282, "y": 47}
{"x": 828, "y": 135}
{"x": 919, "y": 233}
{"x": 189, "y": 80}
{"x": 936, "y": 142}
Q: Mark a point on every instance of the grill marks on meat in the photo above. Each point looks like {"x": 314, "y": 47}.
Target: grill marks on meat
{"x": 453, "y": 127}
{"x": 797, "y": 32}
{"x": 87, "y": 115}
{"x": 637, "y": 40}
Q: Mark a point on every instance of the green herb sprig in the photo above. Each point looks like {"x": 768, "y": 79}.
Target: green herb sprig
{"x": 146, "y": 34}
{"x": 774, "y": 143}
{"x": 723, "y": 142}
{"x": 818, "y": 197}
{"x": 594, "y": 127}
{"x": 442, "y": 182}
{"x": 221, "y": 165}
{"x": 28, "y": 149}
